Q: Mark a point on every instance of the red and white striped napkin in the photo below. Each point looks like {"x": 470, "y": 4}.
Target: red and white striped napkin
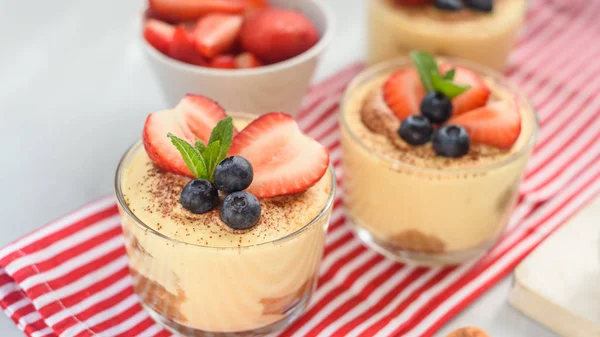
{"x": 70, "y": 277}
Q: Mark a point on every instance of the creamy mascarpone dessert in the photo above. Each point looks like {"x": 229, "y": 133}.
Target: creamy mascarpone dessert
{"x": 194, "y": 272}
{"x": 412, "y": 204}
{"x": 395, "y": 27}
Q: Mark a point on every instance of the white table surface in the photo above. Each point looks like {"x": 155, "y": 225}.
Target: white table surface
{"x": 74, "y": 92}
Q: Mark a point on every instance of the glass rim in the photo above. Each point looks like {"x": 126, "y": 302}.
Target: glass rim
{"x": 137, "y": 146}
{"x": 390, "y": 65}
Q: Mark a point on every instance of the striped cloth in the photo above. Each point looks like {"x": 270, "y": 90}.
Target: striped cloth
{"x": 70, "y": 277}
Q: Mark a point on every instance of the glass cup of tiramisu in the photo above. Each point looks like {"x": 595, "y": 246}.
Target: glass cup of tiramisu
{"x": 434, "y": 151}
{"x": 483, "y": 31}
{"x": 231, "y": 249}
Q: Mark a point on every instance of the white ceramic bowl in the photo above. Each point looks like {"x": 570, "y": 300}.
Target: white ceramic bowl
{"x": 277, "y": 87}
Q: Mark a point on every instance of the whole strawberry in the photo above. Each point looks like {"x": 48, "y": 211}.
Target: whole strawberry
{"x": 275, "y": 35}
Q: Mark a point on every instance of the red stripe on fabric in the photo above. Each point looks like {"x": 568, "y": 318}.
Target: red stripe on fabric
{"x": 532, "y": 16}
{"x": 93, "y": 310}
{"x": 383, "y": 302}
{"x": 115, "y": 320}
{"x": 332, "y": 294}
{"x": 5, "y": 279}
{"x": 163, "y": 333}
{"x": 13, "y": 297}
{"x": 58, "y": 259}
{"x": 349, "y": 236}
{"x": 359, "y": 297}
{"x": 374, "y": 328}
{"x": 61, "y": 234}
{"x": 564, "y": 145}
{"x": 326, "y": 114}
{"x": 26, "y": 310}
{"x": 71, "y": 300}
{"x": 138, "y": 329}
{"x": 74, "y": 275}
{"x": 36, "y": 326}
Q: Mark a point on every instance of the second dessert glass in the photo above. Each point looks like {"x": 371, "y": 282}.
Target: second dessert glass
{"x": 429, "y": 216}
{"x": 197, "y": 290}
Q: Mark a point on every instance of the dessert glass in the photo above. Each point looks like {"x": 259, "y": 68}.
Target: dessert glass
{"x": 429, "y": 216}
{"x": 197, "y": 290}
{"x": 485, "y": 38}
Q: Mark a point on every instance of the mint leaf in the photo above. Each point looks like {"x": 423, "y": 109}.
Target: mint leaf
{"x": 223, "y": 132}
{"x": 426, "y": 66}
{"x": 200, "y": 146}
{"x": 191, "y": 156}
{"x": 211, "y": 157}
{"x": 449, "y": 75}
{"x": 447, "y": 87}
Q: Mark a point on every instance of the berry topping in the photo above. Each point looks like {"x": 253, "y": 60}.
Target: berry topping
{"x": 437, "y": 107}
{"x": 481, "y": 5}
{"x": 199, "y": 196}
{"x": 192, "y": 121}
{"x": 285, "y": 161}
{"x": 476, "y": 96}
{"x": 233, "y": 174}
{"x": 217, "y": 33}
{"x": 275, "y": 35}
{"x": 449, "y": 5}
{"x": 159, "y": 34}
{"x": 189, "y": 10}
{"x": 415, "y": 130}
{"x": 497, "y": 124}
{"x": 223, "y": 62}
{"x": 255, "y": 4}
{"x": 247, "y": 60}
{"x": 403, "y": 93}
{"x": 240, "y": 211}
{"x": 451, "y": 141}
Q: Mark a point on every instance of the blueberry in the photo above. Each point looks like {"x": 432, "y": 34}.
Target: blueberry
{"x": 240, "y": 210}
{"x": 233, "y": 174}
{"x": 481, "y": 5}
{"x": 437, "y": 107}
{"x": 415, "y": 130}
{"x": 449, "y": 5}
{"x": 199, "y": 196}
{"x": 451, "y": 141}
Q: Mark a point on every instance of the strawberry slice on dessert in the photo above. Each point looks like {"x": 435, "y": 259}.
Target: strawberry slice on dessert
{"x": 285, "y": 161}
{"x": 193, "y": 119}
{"x": 403, "y": 93}
{"x": 247, "y": 60}
{"x": 189, "y": 10}
{"x": 217, "y": 33}
{"x": 159, "y": 34}
{"x": 475, "y": 97}
{"x": 497, "y": 124}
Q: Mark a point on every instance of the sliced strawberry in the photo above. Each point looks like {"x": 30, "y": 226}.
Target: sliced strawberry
{"x": 403, "y": 93}
{"x": 285, "y": 161}
{"x": 477, "y": 96}
{"x": 182, "y": 47}
{"x": 275, "y": 35}
{"x": 497, "y": 124}
{"x": 189, "y": 10}
{"x": 254, "y": 4}
{"x": 193, "y": 119}
{"x": 247, "y": 60}
{"x": 223, "y": 62}
{"x": 159, "y": 34}
{"x": 217, "y": 33}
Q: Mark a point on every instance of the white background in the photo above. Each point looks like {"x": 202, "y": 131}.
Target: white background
{"x": 74, "y": 91}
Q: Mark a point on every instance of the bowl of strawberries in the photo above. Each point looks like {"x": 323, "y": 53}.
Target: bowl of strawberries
{"x": 256, "y": 56}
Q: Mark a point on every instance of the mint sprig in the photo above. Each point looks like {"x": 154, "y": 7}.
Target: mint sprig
{"x": 202, "y": 159}
{"x": 432, "y": 79}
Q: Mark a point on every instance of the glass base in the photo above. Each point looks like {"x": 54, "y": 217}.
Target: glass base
{"x": 418, "y": 258}
{"x": 181, "y": 330}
